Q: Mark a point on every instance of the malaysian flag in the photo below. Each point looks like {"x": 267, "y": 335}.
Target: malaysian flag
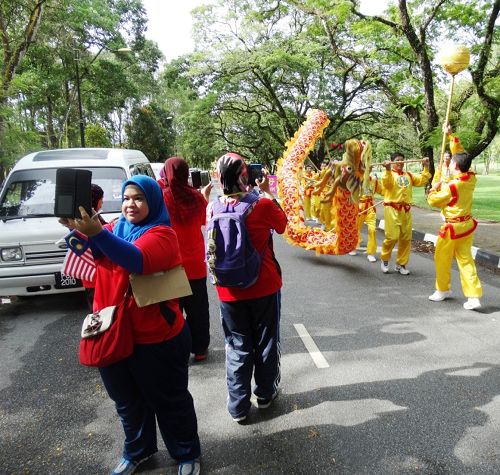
{"x": 79, "y": 261}
{"x": 81, "y": 267}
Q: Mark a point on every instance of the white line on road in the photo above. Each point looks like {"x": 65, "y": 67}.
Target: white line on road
{"x": 317, "y": 357}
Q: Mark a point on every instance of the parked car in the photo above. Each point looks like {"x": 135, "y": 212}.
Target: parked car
{"x": 32, "y": 248}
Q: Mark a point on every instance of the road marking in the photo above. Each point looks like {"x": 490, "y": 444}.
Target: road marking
{"x": 317, "y": 357}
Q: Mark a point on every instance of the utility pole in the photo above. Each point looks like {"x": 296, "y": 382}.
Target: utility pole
{"x": 80, "y": 110}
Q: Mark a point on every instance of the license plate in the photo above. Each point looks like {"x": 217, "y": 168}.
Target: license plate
{"x": 64, "y": 281}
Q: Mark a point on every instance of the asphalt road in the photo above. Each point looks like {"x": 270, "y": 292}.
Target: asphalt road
{"x": 407, "y": 386}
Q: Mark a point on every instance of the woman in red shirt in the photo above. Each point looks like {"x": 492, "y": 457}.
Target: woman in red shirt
{"x": 152, "y": 384}
{"x": 251, "y": 316}
{"x": 187, "y": 208}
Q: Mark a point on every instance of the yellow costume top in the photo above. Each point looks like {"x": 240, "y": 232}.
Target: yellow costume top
{"x": 397, "y": 187}
{"x": 455, "y": 200}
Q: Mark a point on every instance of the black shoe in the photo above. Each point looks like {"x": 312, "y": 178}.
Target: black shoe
{"x": 264, "y": 403}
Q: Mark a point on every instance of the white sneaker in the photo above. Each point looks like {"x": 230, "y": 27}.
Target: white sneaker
{"x": 472, "y": 303}
{"x": 371, "y": 258}
{"x": 353, "y": 253}
{"x": 439, "y": 295}
{"x": 401, "y": 269}
{"x": 384, "y": 265}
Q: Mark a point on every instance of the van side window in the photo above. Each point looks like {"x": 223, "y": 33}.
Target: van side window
{"x": 142, "y": 169}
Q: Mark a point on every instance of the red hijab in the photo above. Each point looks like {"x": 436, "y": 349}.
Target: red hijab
{"x": 182, "y": 200}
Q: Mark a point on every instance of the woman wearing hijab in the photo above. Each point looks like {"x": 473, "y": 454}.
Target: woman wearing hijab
{"x": 153, "y": 382}
{"x": 187, "y": 208}
{"x": 251, "y": 316}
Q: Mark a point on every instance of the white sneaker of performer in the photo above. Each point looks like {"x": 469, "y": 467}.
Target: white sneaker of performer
{"x": 439, "y": 295}
{"x": 472, "y": 304}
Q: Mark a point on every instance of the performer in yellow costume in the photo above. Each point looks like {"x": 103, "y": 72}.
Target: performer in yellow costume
{"x": 308, "y": 187}
{"x": 397, "y": 187}
{"x": 315, "y": 197}
{"x": 456, "y": 235}
{"x": 368, "y": 215}
{"x": 322, "y": 188}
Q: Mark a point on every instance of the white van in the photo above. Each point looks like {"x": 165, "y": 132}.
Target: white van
{"x": 31, "y": 250}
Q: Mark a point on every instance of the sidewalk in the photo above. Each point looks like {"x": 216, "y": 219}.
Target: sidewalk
{"x": 426, "y": 224}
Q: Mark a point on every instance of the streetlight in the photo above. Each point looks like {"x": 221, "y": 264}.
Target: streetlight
{"x": 79, "y": 97}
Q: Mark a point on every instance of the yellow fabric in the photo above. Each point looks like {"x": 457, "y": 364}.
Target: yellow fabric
{"x": 455, "y": 145}
{"x": 397, "y": 188}
{"x": 456, "y": 238}
{"x": 315, "y": 206}
{"x": 464, "y": 184}
{"x": 307, "y": 188}
{"x": 460, "y": 249}
{"x": 307, "y": 206}
{"x": 369, "y": 217}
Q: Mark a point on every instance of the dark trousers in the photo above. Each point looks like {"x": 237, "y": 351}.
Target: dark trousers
{"x": 154, "y": 382}
{"x": 252, "y": 336}
{"x": 197, "y": 315}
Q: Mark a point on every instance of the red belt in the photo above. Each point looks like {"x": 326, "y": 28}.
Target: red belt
{"x": 458, "y": 219}
{"x": 398, "y": 206}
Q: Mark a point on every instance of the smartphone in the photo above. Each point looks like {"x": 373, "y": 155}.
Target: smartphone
{"x": 205, "y": 178}
{"x": 254, "y": 173}
{"x": 196, "y": 179}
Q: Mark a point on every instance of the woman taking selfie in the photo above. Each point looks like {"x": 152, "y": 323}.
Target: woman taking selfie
{"x": 152, "y": 383}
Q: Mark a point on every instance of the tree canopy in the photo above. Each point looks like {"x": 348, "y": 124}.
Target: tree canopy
{"x": 258, "y": 68}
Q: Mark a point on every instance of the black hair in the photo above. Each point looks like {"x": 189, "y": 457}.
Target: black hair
{"x": 97, "y": 194}
{"x": 463, "y": 161}
{"x": 395, "y": 155}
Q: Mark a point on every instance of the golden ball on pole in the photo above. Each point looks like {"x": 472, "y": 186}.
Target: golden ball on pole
{"x": 454, "y": 59}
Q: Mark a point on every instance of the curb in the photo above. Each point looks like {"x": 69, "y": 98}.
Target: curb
{"x": 481, "y": 256}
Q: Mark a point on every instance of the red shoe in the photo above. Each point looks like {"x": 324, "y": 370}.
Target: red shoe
{"x": 201, "y": 356}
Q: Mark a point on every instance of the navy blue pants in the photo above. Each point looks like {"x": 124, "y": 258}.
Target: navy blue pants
{"x": 154, "y": 382}
{"x": 197, "y": 315}
{"x": 251, "y": 330}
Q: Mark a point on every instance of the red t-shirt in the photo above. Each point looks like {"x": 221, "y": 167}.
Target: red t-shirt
{"x": 192, "y": 243}
{"x": 265, "y": 217}
{"x": 160, "y": 251}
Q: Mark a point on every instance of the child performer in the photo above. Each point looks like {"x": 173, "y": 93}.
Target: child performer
{"x": 455, "y": 238}
{"x": 397, "y": 188}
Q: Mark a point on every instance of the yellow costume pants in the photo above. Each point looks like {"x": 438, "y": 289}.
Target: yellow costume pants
{"x": 397, "y": 228}
{"x": 370, "y": 218}
{"x": 307, "y": 206}
{"x": 326, "y": 215}
{"x": 315, "y": 206}
{"x": 460, "y": 249}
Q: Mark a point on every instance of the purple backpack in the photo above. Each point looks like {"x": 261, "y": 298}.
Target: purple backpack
{"x": 232, "y": 260}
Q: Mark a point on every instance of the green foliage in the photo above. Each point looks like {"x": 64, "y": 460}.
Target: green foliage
{"x": 486, "y": 202}
{"x": 150, "y": 130}
{"x": 96, "y": 136}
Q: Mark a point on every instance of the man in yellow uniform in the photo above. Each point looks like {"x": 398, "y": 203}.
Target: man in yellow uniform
{"x": 456, "y": 235}
{"x": 397, "y": 187}
{"x": 368, "y": 215}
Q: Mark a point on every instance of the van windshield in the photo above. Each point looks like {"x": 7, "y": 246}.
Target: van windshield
{"x": 31, "y": 193}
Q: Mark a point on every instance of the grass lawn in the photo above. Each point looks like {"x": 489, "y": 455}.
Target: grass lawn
{"x": 486, "y": 203}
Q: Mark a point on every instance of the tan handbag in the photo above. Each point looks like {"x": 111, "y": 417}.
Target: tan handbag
{"x": 160, "y": 286}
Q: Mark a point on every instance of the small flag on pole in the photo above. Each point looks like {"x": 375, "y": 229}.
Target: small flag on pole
{"x": 81, "y": 267}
